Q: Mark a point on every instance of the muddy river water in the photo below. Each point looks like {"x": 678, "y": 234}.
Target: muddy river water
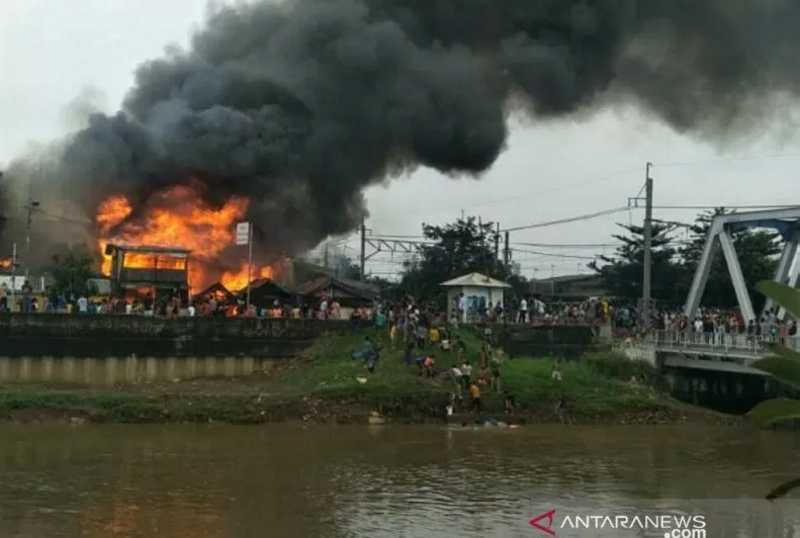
{"x": 410, "y": 481}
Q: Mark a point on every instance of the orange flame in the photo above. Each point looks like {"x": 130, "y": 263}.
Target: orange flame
{"x": 176, "y": 217}
{"x": 5, "y": 263}
{"x": 113, "y": 211}
{"x": 237, "y": 280}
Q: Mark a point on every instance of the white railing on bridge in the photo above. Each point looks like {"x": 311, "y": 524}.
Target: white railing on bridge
{"x": 721, "y": 342}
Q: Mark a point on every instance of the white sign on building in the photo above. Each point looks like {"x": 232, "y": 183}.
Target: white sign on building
{"x": 242, "y": 233}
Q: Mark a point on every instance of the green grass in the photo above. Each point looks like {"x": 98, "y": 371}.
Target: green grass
{"x": 324, "y": 383}
{"x": 596, "y": 385}
{"x": 586, "y": 390}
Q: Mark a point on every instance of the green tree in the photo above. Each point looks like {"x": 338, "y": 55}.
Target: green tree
{"x": 71, "y": 270}
{"x": 462, "y": 247}
{"x": 623, "y": 272}
{"x": 783, "y": 365}
{"x": 755, "y": 249}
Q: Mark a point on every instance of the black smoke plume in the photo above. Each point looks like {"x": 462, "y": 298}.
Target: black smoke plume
{"x": 300, "y": 105}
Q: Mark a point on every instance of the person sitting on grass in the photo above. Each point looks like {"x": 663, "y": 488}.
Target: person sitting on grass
{"x": 368, "y": 353}
{"x": 427, "y": 365}
{"x": 420, "y": 362}
{"x": 555, "y": 373}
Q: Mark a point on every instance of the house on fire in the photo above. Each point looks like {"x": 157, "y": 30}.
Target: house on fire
{"x": 350, "y": 294}
{"x": 218, "y": 292}
{"x": 264, "y": 292}
{"x": 155, "y": 269}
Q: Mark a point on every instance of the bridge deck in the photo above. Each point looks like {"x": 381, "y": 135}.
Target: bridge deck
{"x": 722, "y": 353}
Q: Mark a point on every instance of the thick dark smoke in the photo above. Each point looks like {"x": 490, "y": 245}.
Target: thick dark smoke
{"x": 300, "y": 105}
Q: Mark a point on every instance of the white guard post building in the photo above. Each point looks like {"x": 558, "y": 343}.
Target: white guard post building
{"x": 480, "y": 292}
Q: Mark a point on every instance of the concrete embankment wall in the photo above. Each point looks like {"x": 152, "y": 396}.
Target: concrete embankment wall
{"x": 125, "y": 370}
{"x": 520, "y": 340}
{"x": 111, "y": 349}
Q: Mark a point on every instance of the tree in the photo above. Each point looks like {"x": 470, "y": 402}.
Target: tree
{"x": 462, "y": 247}
{"x": 71, "y": 270}
{"x": 784, "y": 366}
{"x": 755, "y": 249}
{"x": 623, "y": 272}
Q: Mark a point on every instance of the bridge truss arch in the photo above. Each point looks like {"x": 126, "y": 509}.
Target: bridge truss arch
{"x": 786, "y": 221}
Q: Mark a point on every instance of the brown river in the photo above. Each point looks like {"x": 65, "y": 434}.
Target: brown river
{"x": 318, "y": 481}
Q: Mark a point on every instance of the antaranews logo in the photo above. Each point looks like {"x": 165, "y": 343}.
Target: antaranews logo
{"x": 671, "y": 525}
{"x": 537, "y": 522}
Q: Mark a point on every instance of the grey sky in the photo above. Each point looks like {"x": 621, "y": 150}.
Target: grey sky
{"x": 51, "y": 50}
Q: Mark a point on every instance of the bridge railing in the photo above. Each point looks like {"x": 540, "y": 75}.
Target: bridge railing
{"x": 719, "y": 342}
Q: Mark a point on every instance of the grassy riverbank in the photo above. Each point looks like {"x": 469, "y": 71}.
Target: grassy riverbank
{"x": 325, "y": 384}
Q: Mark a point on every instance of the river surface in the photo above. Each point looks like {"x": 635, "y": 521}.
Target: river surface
{"x": 319, "y": 481}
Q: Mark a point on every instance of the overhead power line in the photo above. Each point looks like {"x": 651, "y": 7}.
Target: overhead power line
{"x": 569, "y": 219}
{"x": 783, "y": 206}
{"x": 553, "y": 255}
{"x": 568, "y": 245}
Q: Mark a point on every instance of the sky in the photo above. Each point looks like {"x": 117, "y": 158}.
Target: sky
{"x": 52, "y": 51}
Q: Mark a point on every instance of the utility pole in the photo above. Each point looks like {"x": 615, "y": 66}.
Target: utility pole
{"x": 363, "y": 248}
{"x": 497, "y": 245}
{"x": 13, "y": 277}
{"x": 507, "y": 252}
{"x": 249, "y": 260}
{"x": 30, "y": 206}
{"x": 648, "y": 249}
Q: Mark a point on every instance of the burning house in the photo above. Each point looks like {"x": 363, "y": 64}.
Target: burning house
{"x": 152, "y": 270}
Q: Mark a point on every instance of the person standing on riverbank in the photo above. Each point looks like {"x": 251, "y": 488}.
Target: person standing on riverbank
{"x": 494, "y": 366}
{"x": 466, "y": 374}
{"x": 475, "y": 394}
{"x": 455, "y": 371}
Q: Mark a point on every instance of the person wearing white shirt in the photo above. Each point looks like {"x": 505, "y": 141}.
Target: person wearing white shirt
{"x": 523, "y": 311}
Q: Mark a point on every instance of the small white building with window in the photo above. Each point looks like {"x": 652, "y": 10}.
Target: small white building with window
{"x": 480, "y": 292}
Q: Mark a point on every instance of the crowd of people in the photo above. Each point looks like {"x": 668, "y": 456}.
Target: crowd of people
{"x": 412, "y": 321}
{"x": 174, "y": 304}
{"x": 430, "y": 345}
{"x": 721, "y": 327}
{"x": 532, "y": 310}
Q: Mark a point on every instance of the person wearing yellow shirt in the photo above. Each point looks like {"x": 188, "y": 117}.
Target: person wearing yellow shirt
{"x": 433, "y": 335}
{"x": 475, "y": 394}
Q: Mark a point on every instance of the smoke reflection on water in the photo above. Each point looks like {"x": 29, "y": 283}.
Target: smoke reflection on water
{"x": 280, "y": 480}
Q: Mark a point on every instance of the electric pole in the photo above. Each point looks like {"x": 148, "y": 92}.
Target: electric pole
{"x": 497, "y": 245}
{"x": 363, "y": 248}
{"x": 507, "y": 252}
{"x": 648, "y": 249}
{"x": 30, "y": 206}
